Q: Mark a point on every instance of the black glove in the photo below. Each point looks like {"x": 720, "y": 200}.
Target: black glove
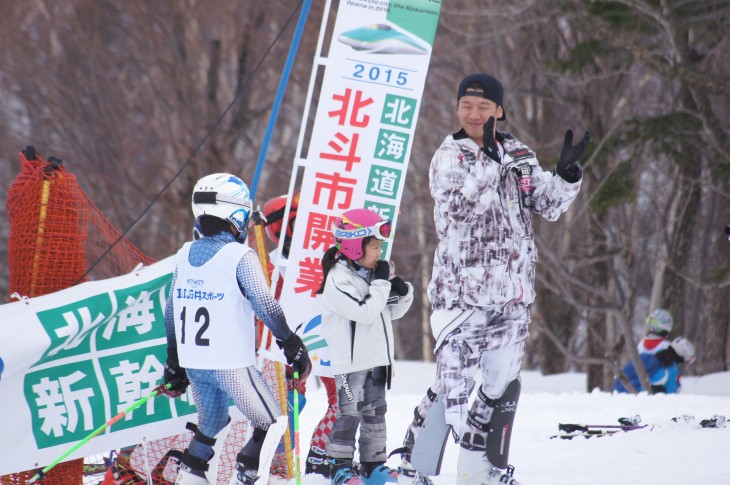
{"x": 398, "y": 286}
{"x": 490, "y": 144}
{"x": 257, "y": 217}
{"x": 299, "y": 384}
{"x": 381, "y": 270}
{"x": 296, "y": 355}
{"x": 568, "y": 167}
{"x": 175, "y": 375}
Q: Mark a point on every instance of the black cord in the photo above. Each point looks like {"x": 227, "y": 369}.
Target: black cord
{"x": 197, "y": 148}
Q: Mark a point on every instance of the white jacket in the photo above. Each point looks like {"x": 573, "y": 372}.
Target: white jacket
{"x": 358, "y": 319}
{"x": 486, "y": 255}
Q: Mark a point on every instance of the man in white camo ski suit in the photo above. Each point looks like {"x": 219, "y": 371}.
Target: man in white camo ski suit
{"x": 486, "y": 187}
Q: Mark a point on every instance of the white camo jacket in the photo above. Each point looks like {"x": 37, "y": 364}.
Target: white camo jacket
{"x": 486, "y": 254}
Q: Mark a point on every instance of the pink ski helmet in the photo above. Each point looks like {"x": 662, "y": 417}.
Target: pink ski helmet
{"x": 353, "y": 226}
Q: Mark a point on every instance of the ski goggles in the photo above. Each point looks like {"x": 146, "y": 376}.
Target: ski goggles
{"x": 380, "y": 230}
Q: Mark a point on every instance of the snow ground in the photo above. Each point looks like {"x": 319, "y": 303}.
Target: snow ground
{"x": 670, "y": 453}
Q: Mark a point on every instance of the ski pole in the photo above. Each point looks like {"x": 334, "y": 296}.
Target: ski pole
{"x": 297, "y": 472}
{"x": 586, "y": 434}
{"x": 570, "y": 428}
{"x": 41, "y": 474}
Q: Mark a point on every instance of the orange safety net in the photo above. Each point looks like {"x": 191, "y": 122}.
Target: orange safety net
{"x": 57, "y": 232}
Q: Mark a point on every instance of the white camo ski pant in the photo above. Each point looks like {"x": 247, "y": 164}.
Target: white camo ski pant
{"x": 489, "y": 341}
{"x": 361, "y": 404}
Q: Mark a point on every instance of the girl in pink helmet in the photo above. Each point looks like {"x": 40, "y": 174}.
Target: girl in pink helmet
{"x": 360, "y": 299}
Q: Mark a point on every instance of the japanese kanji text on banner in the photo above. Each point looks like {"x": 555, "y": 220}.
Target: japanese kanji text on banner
{"x": 361, "y": 139}
{"x": 75, "y": 358}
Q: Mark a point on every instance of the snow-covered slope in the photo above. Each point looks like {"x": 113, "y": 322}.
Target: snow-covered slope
{"x": 670, "y": 453}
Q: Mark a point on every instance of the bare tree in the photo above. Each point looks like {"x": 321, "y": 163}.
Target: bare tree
{"x": 125, "y": 93}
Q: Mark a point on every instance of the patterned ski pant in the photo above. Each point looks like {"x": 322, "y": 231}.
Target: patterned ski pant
{"x": 489, "y": 341}
{"x": 361, "y": 404}
{"x": 212, "y": 390}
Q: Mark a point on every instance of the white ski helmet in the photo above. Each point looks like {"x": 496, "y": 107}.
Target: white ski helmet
{"x": 660, "y": 321}
{"x": 224, "y": 196}
{"x": 684, "y": 348}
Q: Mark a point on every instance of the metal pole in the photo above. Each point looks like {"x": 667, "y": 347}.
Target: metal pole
{"x": 279, "y": 95}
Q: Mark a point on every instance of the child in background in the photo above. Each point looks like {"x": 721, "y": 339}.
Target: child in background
{"x": 274, "y": 225}
{"x": 359, "y": 302}
{"x": 662, "y": 368}
{"x": 658, "y": 325}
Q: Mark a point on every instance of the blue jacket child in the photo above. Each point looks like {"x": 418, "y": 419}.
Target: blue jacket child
{"x": 662, "y": 368}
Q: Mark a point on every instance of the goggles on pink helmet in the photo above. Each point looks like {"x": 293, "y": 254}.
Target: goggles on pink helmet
{"x": 353, "y": 226}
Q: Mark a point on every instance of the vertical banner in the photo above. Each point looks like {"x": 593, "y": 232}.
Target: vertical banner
{"x": 361, "y": 139}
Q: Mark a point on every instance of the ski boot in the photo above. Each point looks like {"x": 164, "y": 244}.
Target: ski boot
{"x": 317, "y": 462}
{"x": 192, "y": 471}
{"x": 243, "y": 475}
{"x": 377, "y": 473}
{"x": 247, "y": 461}
{"x": 473, "y": 468}
{"x": 716, "y": 421}
{"x": 407, "y": 475}
{"x": 343, "y": 473}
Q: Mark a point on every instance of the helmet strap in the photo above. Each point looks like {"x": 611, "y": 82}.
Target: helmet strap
{"x": 240, "y": 237}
